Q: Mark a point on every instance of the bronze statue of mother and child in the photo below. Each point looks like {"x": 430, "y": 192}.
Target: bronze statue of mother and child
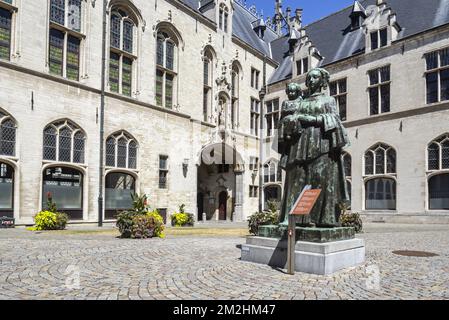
{"x": 311, "y": 138}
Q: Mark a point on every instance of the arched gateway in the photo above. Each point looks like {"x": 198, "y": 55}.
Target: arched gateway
{"x": 220, "y": 183}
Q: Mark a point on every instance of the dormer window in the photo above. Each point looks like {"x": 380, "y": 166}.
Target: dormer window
{"x": 357, "y": 15}
{"x": 302, "y": 66}
{"x": 223, "y": 16}
{"x": 379, "y": 38}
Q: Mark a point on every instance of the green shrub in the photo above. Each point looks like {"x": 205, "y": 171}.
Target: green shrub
{"x": 47, "y": 220}
{"x": 125, "y": 222}
{"x": 349, "y": 219}
{"x": 182, "y": 219}
{"x": 262, "y": 218}
{"x": 157, "y": 223}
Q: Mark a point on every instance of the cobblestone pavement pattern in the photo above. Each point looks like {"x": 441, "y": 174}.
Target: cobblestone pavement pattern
{"x": 46, "y": 266}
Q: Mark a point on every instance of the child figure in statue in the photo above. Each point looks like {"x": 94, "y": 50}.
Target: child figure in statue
{"x": 312, "y": 155}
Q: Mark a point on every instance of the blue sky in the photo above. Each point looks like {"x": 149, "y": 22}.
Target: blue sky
{"x": 313, "y": 9}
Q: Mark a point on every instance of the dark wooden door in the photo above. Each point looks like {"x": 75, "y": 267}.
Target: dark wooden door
{"x": 222, "y": 203}
{"x": 200, "y": 206}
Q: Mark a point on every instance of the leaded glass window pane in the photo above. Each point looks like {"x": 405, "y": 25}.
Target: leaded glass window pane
{"x": 432, "y": 60}
{"x": 391, "y": 161}
{"x": 369, "y": 163}
{"x": 383, "y": 37}
{"x": 121, "y": 152}
{"x": 266, "y": 174}
{"x": 126, "y": 76}
{"x": 56, "y": 51}
{"x": 78, "y": 147}
{"x": 65, "y": 144}
{"x": 225, "y": 22}
{"x": 110, "y": 152}
{"x": 342, "y": 107}
{"x": 385, "y": 74}
{"x": 374, "y": 100}
{"x": 333, "y": 88}
{"x": 444, "y": 78}
{"x": 170, "y": 55}
{"x": 380, "y": 161}
{"x": 385, "y": 98}
{"x": 169, "y": 90}
{"x": 206, "y": 73}
{"x": 128, "y": 36}
{"x": 7, "y": 138}
{"x": 342, "y": 86}
{"x": 444, "y": 57}
{"x": 50, "y": 143}
{"x": 5, "y": 34}
{"x": 220, "y": 20}
{"x": 445, "y": 155}
{"x": 433, "y": 153}
{"x": 74, "y": 15}
{"x": 132, "y": 155}
{"x": 432, "y": 87}
{"x": 115, "y": 31}
{"x": 57, "y": 11}
{"x": 159, "y": 86}
{"x": 160, "y": 51}
{"x": 73, "y": 58}
{"x": 373, "y": 77}
{"x": 114, "y": 65}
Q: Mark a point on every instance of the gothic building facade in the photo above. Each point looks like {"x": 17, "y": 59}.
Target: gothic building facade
{"x": 179, "y": 99}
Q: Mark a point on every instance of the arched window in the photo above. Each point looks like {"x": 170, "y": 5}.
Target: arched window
{"x": 65, "y": 38}
{"x": 122, "y": 52}
{"x": 380, "y": 191}
{"x": 166, "y": 52}
{"x": 208, "y": 62}
{"x": 119, "y": 188}
{"x": 438, "y": 154}
{"x": 235, "y": 93}
{"x": 223, "y": 16}
{"x": 7, "y": 135}
{"x": 64, "y": 141}
{"x": 380, "y": 159}
{"x": 347, "y": 165}
{"x": 272, "y": 172}
{"x": 438, "y": 166}
{"x": 121, "y": 151}
{"x": 6, "y": 190}
{"x": 272, "y": 193}
{"x": 65, "y": 185}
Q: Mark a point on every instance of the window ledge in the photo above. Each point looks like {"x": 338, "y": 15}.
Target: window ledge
{"x": 8, "y": 6}
{"x": 11, "y": 158}
{"x": 60, "y": 27}
{"x": 61, "y": 163}
{"x": 121, "y": 169}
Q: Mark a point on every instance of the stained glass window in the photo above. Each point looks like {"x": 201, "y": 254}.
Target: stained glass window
{"x": 121, "y": 152}
{"x": 115, "y": 31}
{"x": 126, "y": 76}
{"x": 5, "y": 34}
{"x": 132, "y": 155}
{"x": 50, "y": 136}
{"x": 57, "y": 11}
{"x": 65, "y": 144}
{"x": 169, "y": 90}
{"x": 110, "y": 152}
{"x": 74, "y": 15}
{"x": 128, "y": 36}
{"x": 165, "y": 75}
{"x": 73, "y": 58}
{"x": 56, "y": 57}
{"x": 159, "y": 84}
{"x": 114, "y": 71}
{"x": 78, "y": 147}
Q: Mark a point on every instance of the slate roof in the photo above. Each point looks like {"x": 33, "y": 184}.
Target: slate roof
{"x": 332, "y": 37}
{"x": 242, "y": 27}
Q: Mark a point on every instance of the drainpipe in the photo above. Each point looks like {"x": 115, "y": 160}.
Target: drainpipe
{"x": 103, "y": 81}
{"x": 262, "y": 94}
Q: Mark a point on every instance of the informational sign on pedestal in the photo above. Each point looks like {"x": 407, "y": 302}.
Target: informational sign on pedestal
{"x": 303, "y": 206}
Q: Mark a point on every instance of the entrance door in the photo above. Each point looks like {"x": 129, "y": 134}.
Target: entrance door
{"x": 222, "y": 205}
{"x": 6, "y": 190}
{"x": 200, "y": 205}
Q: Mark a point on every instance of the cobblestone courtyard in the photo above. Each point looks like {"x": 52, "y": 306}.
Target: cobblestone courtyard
{"x": 47, "y": 265}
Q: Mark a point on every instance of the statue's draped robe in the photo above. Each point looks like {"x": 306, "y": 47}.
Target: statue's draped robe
{"x": 313, "y": 157}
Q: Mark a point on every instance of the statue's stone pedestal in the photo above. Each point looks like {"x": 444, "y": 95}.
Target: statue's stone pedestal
{"x": 318, "y": 251}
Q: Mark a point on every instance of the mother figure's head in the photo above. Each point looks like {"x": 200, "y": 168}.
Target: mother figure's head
{"x": 317, "y": 79}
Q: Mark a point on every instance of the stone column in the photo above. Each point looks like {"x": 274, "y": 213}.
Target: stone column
{"x": 238, "y": 210}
